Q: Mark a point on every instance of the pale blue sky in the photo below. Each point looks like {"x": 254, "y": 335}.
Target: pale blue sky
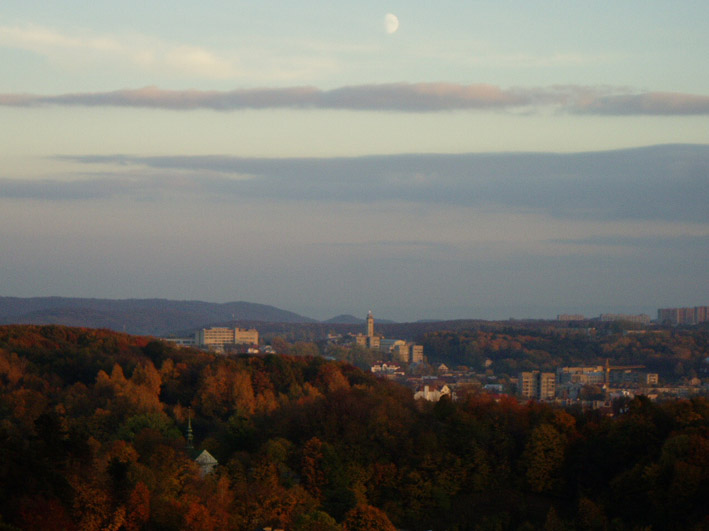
{"x": 106, "y": 45}
{"x": 109, "y": 108}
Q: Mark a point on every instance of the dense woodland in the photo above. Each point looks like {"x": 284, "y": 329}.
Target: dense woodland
{"x": 93, "y": 423}
{"x": 675, "y": 354}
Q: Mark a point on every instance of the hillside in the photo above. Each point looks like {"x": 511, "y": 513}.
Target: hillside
{"x": 94, "y": 424}
{"x": 137, "y": 316}
{"x": 345, "y": 319}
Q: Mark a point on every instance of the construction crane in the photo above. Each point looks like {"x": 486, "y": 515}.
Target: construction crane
{"x": 610, "y": 368}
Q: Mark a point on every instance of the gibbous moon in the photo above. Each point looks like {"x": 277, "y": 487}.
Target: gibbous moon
{"x": 391, "y": 23}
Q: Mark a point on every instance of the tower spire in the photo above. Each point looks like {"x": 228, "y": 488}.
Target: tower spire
{"x": 190, "y": 436}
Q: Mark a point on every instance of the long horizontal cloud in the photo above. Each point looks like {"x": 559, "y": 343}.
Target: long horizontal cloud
{"x": 662, "y": 182}
{"x": 668, "y": 242}
{"x": 653, "y": 103}
{"x": 401, "y": 97}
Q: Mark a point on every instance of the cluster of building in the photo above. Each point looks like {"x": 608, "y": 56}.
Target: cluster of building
{"x": 389, "y": 369}
{"x": 439, "y": 381}
{"x": 568, "y": 382}
{"x": 221, "y": 339}
{"x": 570, "y": 317}
{"x": 432, "y": 392}
{"x": 641, "y": 318}
{"x": 683, "y": 316}
{"x": 399, "y": 350}
{"x": 591, "y": 387}
{"x": 665, "y": 316}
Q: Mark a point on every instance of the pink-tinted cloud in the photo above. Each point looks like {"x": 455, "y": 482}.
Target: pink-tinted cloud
{"x": 398, "y": 97}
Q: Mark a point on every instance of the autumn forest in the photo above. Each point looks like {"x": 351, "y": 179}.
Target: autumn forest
{"x": 93, "y": 428}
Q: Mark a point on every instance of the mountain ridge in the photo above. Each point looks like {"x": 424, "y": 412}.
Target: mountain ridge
{"x": 152, "y": 316}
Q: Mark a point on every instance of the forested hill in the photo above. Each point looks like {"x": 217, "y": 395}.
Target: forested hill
{"x": 676, "y": 354}
{"x": 137, "y": 316}
{"x": 93, "y": 424}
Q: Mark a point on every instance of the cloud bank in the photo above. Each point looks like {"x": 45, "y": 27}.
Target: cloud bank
{"x": 668, "y": 183}
{"x": 393, "y": 97}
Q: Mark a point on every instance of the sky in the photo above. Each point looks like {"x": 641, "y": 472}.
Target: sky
{"x": 459, "y": 160}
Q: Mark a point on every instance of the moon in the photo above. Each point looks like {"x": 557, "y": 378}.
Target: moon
{"x": 391, "y": 23}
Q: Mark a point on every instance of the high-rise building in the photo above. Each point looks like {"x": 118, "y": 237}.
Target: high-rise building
{"x": 668, "y": 315}
{"x": 536, "y": 384}
{"x": 525, "y": 386}
{"x": 401, "y": 352}
{"x": 416, "y": 354}
{"x": 397, "y": 348}
{"x": 547, "y": 386}
{"x": 683, "y": 316}
{"x": 686, "y": 316}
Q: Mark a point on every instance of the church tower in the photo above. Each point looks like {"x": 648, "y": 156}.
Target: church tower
{"x": 370, "y": 324}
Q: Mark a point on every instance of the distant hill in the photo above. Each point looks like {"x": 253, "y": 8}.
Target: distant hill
{"x": 352, "y": 320}
{"x": 345, "y": 319}
{"x": 137, "y": 316}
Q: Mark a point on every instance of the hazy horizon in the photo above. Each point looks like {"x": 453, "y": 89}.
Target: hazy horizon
{"x": 493, "y": 314}
{"x": 472, "y": 161}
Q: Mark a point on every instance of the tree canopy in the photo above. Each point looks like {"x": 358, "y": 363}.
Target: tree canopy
{"x": 93, "y": 426}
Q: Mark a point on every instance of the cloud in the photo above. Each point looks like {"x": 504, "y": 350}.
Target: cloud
{"x": 47, "y": 41}
{"x": 394, "y": 97}
{"x": 412, "y": 245}
{"x": 145, "y": 53}
{"x": 79, "y": 189}
{"x": 398, "y": 97}
{"x": 656, "y": 183}
{"x": 153, "y": 97}
{"x": 669, "y": 242}
{"x": 651, "y": 103}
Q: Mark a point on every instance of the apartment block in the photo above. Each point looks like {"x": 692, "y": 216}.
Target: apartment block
{"x": 683, "y": 316}
{"x": 537, "y": 384}
{"x": 416, "y": 353}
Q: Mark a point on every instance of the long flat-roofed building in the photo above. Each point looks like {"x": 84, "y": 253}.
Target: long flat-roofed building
{"x": 581, "y": 375}
{"x": 640, "y": 318}
{"x": 218, "y": 337}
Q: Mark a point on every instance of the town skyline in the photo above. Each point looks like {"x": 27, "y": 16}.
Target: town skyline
{"x": 165, "y": 317}
{"x": 430, "y": 162}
